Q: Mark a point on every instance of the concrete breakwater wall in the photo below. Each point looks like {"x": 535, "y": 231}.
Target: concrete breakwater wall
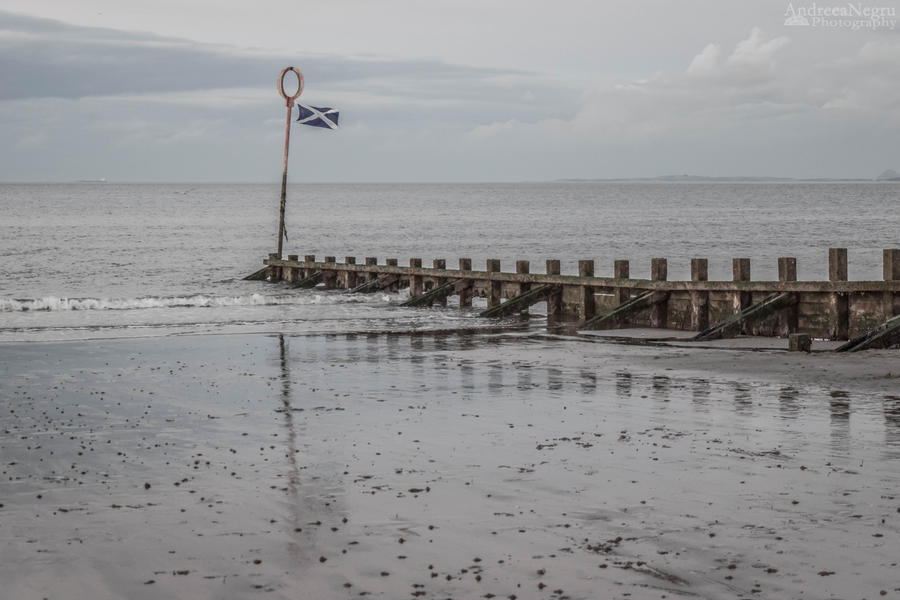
{"x": 835, "y": 309}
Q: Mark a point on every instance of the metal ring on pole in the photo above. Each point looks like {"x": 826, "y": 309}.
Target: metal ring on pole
{"x": 289, "y": 100}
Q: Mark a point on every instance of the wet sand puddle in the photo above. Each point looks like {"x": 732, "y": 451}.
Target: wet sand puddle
{"x": 435, "y": 466}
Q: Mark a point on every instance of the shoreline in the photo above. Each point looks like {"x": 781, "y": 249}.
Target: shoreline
{"x": 674, "y": 351}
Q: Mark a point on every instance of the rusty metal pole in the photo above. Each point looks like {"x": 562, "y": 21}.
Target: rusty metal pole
{"x": 289, "y": 102}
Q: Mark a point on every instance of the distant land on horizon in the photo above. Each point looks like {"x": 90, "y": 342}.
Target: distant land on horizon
{"x": 889, "y": 175}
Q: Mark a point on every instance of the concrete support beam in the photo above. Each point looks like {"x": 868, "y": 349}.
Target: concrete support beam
{"x": 415, "y": 281}
{"x": 520, "y": 303}
{"x": 891, "y": 273}
{"x": 392, "y": 262}
{"x": 787, "y": 271}
{"x": 440, "y": 263}
{"x": 659, "y": 271}
{"x": 330, "y": 277}
{"x": 621, "y": 270}
{"x": 274, "y": 274}
{"x": 587, "y": 308}
{"x": 787, "y": 268}
{"x": 699, "y": 299}
{"x": 371, "y": 261}
{"x": 734, "y": 324}
{"x": 290, "y": 273}
{"x": 310, "y": 258}
{"x": 740, "y": 268}
{"x": 837, "y": 264}
{"x": 891, "y": 264}
{"x": 554, "y": 301}
{"x": 840, "y": 301}
{"x": 523, "y": 267}
{"x": 465, "y": 296}
{"x": 493, "y": 266}
{"x": 349, "y": 279}
{"x": 886, "y": 335}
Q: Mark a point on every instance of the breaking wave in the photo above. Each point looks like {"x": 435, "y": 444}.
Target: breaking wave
{"x": 52, "y": 303}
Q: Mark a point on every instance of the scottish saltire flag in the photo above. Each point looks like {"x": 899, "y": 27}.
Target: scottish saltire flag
{"x": 317, "y": 117}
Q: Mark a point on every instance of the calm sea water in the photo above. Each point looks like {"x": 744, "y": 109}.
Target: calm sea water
{"x": 124, "y": 260}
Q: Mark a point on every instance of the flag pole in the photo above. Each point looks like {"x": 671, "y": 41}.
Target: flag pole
{"x": 289, "y": 102}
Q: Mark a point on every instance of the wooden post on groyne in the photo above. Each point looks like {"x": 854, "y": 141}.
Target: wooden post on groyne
{"x": 866, "y": 313}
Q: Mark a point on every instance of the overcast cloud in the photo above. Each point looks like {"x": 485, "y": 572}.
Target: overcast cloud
{"x": 153, "y": 91}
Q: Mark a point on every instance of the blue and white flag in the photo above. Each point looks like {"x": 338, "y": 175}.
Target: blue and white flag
{"x": 317, "y": 117}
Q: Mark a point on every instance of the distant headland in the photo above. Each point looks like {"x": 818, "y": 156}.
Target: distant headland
{"x": 889, "y": 175}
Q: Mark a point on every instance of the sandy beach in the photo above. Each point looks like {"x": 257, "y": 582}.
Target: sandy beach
{"x": 445, "y": 466}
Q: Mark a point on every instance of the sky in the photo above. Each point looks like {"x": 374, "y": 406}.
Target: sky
{"x": 487, "y": 90}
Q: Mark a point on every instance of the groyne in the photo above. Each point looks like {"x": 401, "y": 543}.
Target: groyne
{"x": 835, "y": 309}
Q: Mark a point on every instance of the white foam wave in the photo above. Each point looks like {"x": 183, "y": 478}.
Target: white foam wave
{"x": 53, "y": 303}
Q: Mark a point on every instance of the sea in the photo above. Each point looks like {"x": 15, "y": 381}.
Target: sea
{"x": 111, "y": 260}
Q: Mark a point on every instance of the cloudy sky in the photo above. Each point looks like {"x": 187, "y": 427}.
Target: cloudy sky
{"x": 440, "y": 90}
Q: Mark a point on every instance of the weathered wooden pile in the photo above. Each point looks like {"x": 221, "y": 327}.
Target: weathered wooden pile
{"x": 867, "y": 313}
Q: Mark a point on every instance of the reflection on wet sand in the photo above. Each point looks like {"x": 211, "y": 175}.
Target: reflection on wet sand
{"x": 523, "y": 377}
{"x": 700, "y": 391}
{"x": 789, "y": 404}
{"x": 467, "y": 375}
{"x": 393, "y": 345}
{"x": 839, "y": 409}
{"x": 373, "y": 350}
{"x": 465, "y": 341}
{"x": 743, "y": 400}
{"x": 554, "y": 379}
{"x": 495, "y": 378}
{"x": 891, "y": 409}
{"x": 661, "y": 387}
{"x": 588, "y": 381}
{"x": 354, "y": 351}
{"x": 293, "y": 474}
{"x": 623, "y": 384}
{"x": 333, "y": 350}
{"x": 417, "y": 347}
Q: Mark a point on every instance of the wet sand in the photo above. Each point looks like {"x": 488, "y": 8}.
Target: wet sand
{"x": 446, "y": 466}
